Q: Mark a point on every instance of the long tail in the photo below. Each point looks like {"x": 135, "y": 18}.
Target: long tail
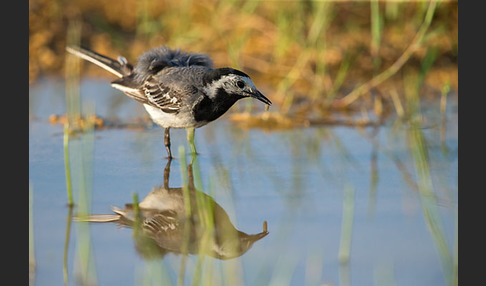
{"x": 119, "y": 67}
{"x": 98, "y": 218}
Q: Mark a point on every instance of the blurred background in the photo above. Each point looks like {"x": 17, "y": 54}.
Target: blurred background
{"x": 354, "y": 167}
{"x": 309, "y": 57}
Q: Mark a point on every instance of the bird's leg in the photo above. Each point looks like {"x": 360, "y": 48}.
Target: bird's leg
{"x": 190, "y": 139}
{"x": 167, "y": 174}
{"x": 167, "y": 142}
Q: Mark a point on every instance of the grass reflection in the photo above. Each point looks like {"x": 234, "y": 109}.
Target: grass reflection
{"x": 429, "y": 202}
{"x": 407, "y": 149}
{"x": 428, "y": 197}
{"x": 309, "y": 54}
{"x": 67, "y": 239}
{"x": 184, "y": 221}
{"x": 347, "y": 225}
{"x": 321, "y": 151}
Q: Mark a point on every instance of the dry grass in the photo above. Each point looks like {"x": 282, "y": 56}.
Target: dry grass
{"x": 304, "y": 55}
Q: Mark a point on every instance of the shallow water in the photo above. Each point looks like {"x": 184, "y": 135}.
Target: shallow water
{"x": 316, "y": 187}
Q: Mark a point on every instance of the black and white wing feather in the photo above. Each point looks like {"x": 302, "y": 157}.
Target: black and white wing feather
{"x": 163, "y": 96}
{"x": 163, "y": 222}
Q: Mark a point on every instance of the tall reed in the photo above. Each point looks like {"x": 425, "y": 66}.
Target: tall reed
{"x": 79, "y": 159}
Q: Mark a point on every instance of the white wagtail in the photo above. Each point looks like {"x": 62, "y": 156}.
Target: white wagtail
{"x": 178, "y": 89}
{"x": 166, "y": 225}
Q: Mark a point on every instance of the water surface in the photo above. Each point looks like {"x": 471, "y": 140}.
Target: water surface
{"x": 396, "y": 200}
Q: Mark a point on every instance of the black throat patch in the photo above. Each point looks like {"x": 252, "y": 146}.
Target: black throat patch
{"x": 210, "y": 109}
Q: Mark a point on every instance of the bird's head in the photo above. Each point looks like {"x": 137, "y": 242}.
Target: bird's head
{"x": 235, "y": 244}
{"x": 232, "y": 82}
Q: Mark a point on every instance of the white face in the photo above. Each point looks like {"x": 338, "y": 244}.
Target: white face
{"x": 233, "y": 84}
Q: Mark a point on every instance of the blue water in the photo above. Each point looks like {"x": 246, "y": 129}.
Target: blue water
{"x": 294, "y": 179}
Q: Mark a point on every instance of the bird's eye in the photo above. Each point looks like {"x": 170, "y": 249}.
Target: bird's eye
{"x": 240, "y": 84}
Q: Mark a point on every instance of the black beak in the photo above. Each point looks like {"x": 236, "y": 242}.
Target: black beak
{"x": 258, "y": 95}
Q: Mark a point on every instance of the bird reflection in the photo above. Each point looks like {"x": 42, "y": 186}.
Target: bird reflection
{"x": 181, "y": 221}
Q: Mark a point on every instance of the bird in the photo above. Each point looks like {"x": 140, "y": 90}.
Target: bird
{"x": 180, "y": 221}
{"x": 178, "y": 89}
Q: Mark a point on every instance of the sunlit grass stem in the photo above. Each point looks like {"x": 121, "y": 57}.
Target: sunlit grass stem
{"x": 137, "y": 222}
{"x": 427, "y": 63}
{"x": 443, "y": 99}
{"x": 72, "y": 71}
{"x": 136, "y": 207}
{"x": 73, "y": 101}
{"x": 376, "y": 31}
{"x": 67, "y": 167}
{"x": 196, "y": 173}
{"x": 443, "y": 121}
{"x": 340, "y": 76}
{"x": 190, "y": 139}
{"x": 397, "y": 103}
